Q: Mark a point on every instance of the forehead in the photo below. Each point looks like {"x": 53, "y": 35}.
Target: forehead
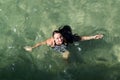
{"x": 57, "y": 35}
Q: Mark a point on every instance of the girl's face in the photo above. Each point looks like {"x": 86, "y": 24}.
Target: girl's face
{"x": 58, "y": 38}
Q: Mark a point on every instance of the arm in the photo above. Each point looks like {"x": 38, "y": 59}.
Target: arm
{"x": 99, "y": 36}
{"x": 39, "y": 44}
{"x": 29, "y": 48}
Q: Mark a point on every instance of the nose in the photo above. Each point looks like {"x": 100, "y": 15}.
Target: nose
{"x": 59, "y": 39}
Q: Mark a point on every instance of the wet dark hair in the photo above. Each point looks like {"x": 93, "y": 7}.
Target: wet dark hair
{"x": 55, "y": 31}
{"x": 66, "y": 32}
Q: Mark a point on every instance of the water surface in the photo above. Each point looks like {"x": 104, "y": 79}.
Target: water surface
{"x": 26, "y": 22}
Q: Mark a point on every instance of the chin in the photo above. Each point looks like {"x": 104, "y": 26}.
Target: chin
{"x": 60, "y": 43}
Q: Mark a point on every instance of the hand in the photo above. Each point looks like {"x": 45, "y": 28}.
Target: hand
{"x": 99, "y": 36}
{"x": 28, "y": 48}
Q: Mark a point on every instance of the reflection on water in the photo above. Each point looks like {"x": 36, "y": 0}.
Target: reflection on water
{"x": 26, "y": 22}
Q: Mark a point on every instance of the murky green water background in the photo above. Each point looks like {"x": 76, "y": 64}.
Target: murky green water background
{"x": 26, "y": 22}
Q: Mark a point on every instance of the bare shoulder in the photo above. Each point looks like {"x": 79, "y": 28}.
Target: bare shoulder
{"x": 50, "y": 42}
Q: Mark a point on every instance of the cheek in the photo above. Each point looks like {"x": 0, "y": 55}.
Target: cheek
{"x": 56, "y": 40}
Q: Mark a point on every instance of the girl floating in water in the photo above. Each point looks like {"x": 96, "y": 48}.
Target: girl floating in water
{"x": 61, "y": 38}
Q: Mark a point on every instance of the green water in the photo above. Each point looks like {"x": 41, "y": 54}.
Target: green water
{"x": 26, "y": 22}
